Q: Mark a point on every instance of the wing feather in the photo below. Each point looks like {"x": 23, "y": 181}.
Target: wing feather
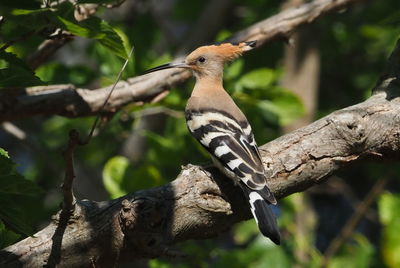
{"x": 232, "y": 144}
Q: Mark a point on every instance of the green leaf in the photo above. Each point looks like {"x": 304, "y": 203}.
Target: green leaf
{"x": 98, "y": 29}
{"x": 12, "y": 186}
{"x": 7, "y": 237}
{"x": 260, "y": 253}
{"x": 4, "y": 153}
{"x": 58, "y": 73}
{"x": 233, "y": 70}
{"x": 15, "y": 184}
{"x": 244, "y": 231}
{"x": 18, "y": 12}
{"x": 389, "y": 214}
{"x": 161, "y": 140}
{"x": 14, "y": 215}
{"x": 154, "y": 263}
{"x": 389, "y": 208}
{"x": 32, "y": 20}
{"x": 258, "y": 79}
{"x": 6, "y": 165}
{"x": 381, "y": 38}
{"x": 77, "y": 29}
{"x": 119, "y": 177}
{"x": 355, "y": 255}
{"x": 11, "y": 182}
{"x": 284, "y": 104}
{"x": 113, "y": 174}
{"x": 15, "y": 73}
{"x": 223, "y": 35}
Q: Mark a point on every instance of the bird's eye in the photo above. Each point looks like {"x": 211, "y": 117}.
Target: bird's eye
{"x": 201, "y": 59}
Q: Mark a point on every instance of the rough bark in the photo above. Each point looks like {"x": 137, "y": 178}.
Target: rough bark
{"x": 200, "y": 203}
{"x": 68, "y": 100}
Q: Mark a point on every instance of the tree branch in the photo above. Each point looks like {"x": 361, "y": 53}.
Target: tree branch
{"x": 68, "y": 100}
{"x": 48, "y": 48}
{"x": 69, "y": 198}
{"x": 200, "y": 203}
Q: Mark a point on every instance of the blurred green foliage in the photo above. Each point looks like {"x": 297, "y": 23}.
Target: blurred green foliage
{"x": 15, "y": 72}
{"x": 389, "y": 214}
{"x": 353, "y": 46}
{"x": 15, "y": 195}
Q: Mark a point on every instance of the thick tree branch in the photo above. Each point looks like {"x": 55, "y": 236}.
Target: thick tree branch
{"x": 68, "y": 100}
{"x": 200, "y": 203}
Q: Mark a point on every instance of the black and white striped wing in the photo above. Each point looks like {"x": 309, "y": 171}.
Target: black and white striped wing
{"x": 232, "y": 144}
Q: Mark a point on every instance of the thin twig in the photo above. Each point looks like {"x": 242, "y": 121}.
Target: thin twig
{"x": 108, "y": 97}
{"x": 351, "y": 224}
{"x": 69, "y": 199}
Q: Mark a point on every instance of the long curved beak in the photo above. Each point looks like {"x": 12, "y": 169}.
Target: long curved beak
{"x": 167, "y": 66}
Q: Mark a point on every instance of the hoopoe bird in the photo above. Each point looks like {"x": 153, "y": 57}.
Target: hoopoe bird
{"x": 222, "y": 129}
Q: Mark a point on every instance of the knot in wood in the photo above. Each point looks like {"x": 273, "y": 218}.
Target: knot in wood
{"x": 350, "y": 128}
{"x": 141, "y": 215}
{"x": 127, "y": 215}
{"x": 142, "y": 221}
{"x": 152, "y": 212}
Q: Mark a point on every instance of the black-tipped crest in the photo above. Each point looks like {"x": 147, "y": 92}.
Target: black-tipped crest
{"x": 251, "y": 43}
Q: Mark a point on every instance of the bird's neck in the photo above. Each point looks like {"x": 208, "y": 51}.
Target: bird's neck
{"x": 207, "y": 85}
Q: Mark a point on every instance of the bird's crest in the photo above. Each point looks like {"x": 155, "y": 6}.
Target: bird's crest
{"x": 219, "y": 53}
{"x": 226, "y": 51}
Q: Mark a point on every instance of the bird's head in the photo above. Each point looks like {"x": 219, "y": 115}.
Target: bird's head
{"x": 209, "y": 60}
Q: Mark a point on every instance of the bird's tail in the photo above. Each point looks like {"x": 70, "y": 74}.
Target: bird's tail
{"x": 263, "y": 214}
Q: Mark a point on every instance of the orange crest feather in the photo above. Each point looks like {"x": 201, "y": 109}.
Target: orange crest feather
{"x": 224, "y": 51}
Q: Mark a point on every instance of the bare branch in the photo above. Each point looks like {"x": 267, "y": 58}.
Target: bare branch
{"x": 68, "y": 100}
{"x": 283, "y": 24}
{"x": 48, "y": 48}
{"x": 69, "y": 198}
